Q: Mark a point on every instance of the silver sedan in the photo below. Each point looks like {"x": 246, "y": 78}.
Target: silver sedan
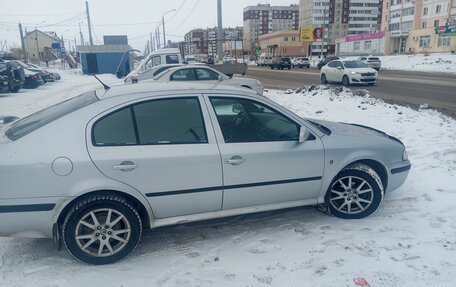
{"x": 209, "y": 76}
{"x": 112, "y": 163}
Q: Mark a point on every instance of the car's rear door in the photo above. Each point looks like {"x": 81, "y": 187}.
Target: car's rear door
{"x": 165, "y": 148}
{"x": 263, "y": 162}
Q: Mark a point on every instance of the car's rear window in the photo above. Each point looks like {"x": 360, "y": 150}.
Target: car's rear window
{"x": 373, "y": 59}
{"x": 43, "y": 117}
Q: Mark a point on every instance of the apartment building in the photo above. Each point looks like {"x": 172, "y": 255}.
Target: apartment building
{"x": 264, "y": 19}
{"x": 339, "y": 18}
{"x": 413, "y": 26}
{"x": 204, "y": 41}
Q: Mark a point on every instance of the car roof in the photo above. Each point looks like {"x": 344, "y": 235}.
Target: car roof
{"x": 177, "y": 87}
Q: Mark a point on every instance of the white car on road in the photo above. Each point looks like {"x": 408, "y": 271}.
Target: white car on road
{"x": 348, "y": 72}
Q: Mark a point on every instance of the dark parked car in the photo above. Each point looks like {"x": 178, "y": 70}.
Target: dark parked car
{"x": 281, "y": 63}
{"x": 4, "y": 87}
{"x": 32, "y": 80}
{"x": 325, "y": 61}
{"x": 14, "y": 75}
{"x": 45, "y": 75}
{"x": 7, "y": 56}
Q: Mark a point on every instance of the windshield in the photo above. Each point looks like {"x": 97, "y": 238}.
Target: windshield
{"x": 43, "y": 117}
{"x": 158, "y": 76}
{"x": 354, "y": 64}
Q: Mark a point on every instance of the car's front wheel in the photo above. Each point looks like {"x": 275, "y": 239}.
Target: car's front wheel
{"x": 101, "y": 229}
{"x": 323, "y": 79}
{"x": 356, "y": 192}
{"x": 345, "y": 80}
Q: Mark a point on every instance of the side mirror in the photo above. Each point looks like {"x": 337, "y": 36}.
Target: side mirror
{"x": 220, "y": 78}
{"x": 303, "y": 134}
{"x": 339, "y": 68}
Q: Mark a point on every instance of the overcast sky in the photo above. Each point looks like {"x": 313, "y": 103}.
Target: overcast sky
{"x": 135, "y": 18}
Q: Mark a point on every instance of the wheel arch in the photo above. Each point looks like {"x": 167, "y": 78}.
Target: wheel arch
{"x": 378, "y": 167}
{"x": 137, "y": 204}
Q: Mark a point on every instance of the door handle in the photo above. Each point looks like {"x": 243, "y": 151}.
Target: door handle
{"x": 126, "y": 166}
{"x": 235, "y": 160}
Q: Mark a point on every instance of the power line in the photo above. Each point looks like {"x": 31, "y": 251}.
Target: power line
{"x": 177, "y": 11}
{"x": 188, "y": 16}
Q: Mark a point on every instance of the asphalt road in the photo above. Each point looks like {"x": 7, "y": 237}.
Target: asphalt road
{"x": 438, "y": 90}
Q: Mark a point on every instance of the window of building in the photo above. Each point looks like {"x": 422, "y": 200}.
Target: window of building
{"x": 285, "y": 39}
{"x": 367, "y": 45}
{"x": 356, "y": 46}
{"x": 444, "y": 41}
{"x": 424, "y": 25}
{"x": 436, "y": 23}
{"x": 425, "y": 41}
{"x": 438, "y": 9}
{"x": 425, "y": 11}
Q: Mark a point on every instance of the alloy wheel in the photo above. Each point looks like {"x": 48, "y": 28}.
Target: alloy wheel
{"x": 351, "y": 195}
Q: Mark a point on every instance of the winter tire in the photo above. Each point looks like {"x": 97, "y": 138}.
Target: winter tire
{"x": 101, "y": 229}
{"x": 356, "y": 192}
{"x": 345, "y": 81}
{"x": 323, "y": 79}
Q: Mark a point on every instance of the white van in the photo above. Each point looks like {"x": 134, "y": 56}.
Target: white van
{"x": 265, "y": 59}
{"x": 160, "y": 57}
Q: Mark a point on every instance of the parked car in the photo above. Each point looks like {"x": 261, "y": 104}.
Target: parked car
{"x": 45, "y": 75}
{"x": 55, "y": 75}
{"x": 149, "y": 74}
{"x": 150, "y": 155}
{"x": 4, "y": 87}
{"x": 281, "y": 63}
{"x": 325, "y": 61}
{"x": 169, "y": 56}
{"x": 14, "y": 74}
{"x": 32, "y": 80}
{"x": 303, "y": 62}
{"x": 207, "y": 75}
{"x": 373, "y": 62}
{"x": 348, "y": 72}
{"x": 4, "y": 55}
{"x": 265, "y": 59}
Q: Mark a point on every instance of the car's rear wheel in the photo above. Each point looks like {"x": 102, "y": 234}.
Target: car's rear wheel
{"x": 101, "y": 229}
{"x": 345, "y": 80}
{"x": 356, "y": 192}
{"x": 323, "y": 79}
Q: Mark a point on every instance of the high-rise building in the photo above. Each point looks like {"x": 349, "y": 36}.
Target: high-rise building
{"x": 411, "y": 25}
{"x": 339, "y": 18}
{"x": 264, "y": 19}
{"x": 204, "y": 41}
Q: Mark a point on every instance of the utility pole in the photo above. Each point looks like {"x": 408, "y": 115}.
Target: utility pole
{"x": 22, "y": 42}
{"x": 152, "y": 44}
{"x": 88, "y": 23}
{"x": 80, "y": 34}
{"x": 37, "y": 49}
{"x": 164, "y": 35}
{"x": 219, "y": 30}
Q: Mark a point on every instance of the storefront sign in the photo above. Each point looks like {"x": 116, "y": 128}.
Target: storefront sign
{"x": 446, "y": 30}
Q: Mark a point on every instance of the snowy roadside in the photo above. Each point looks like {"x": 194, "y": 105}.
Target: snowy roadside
{"x": 409, "y": 241}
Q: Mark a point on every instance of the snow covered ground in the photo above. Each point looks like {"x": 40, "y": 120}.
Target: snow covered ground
{"x": 445, "y": 62}
{"x": 409, "y": 241}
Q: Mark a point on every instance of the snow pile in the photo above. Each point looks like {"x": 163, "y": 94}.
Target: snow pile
{"x": 409, "y": 241}
{"x": 445, "y": 62}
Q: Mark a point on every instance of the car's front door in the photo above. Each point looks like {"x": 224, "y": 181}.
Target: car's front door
{"x": 338, "y": 71}
{"x": 163, "y": 148}
{"x": 263, "y": 161}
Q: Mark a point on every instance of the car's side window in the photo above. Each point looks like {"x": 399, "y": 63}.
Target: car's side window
{"x": 115, "y": 129}
{"x": 243, "y": 120}
{"x": 164, "y": 121}
{"x": 332, "y": 64}
{"x": 183, "y": 75}
{"x": 170, "y": 121}
{"x": 206, "y": 75}
{"x": 338, "y": 64}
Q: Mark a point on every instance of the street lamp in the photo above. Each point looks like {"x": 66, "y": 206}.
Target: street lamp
{"x": 163, "y": 22}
